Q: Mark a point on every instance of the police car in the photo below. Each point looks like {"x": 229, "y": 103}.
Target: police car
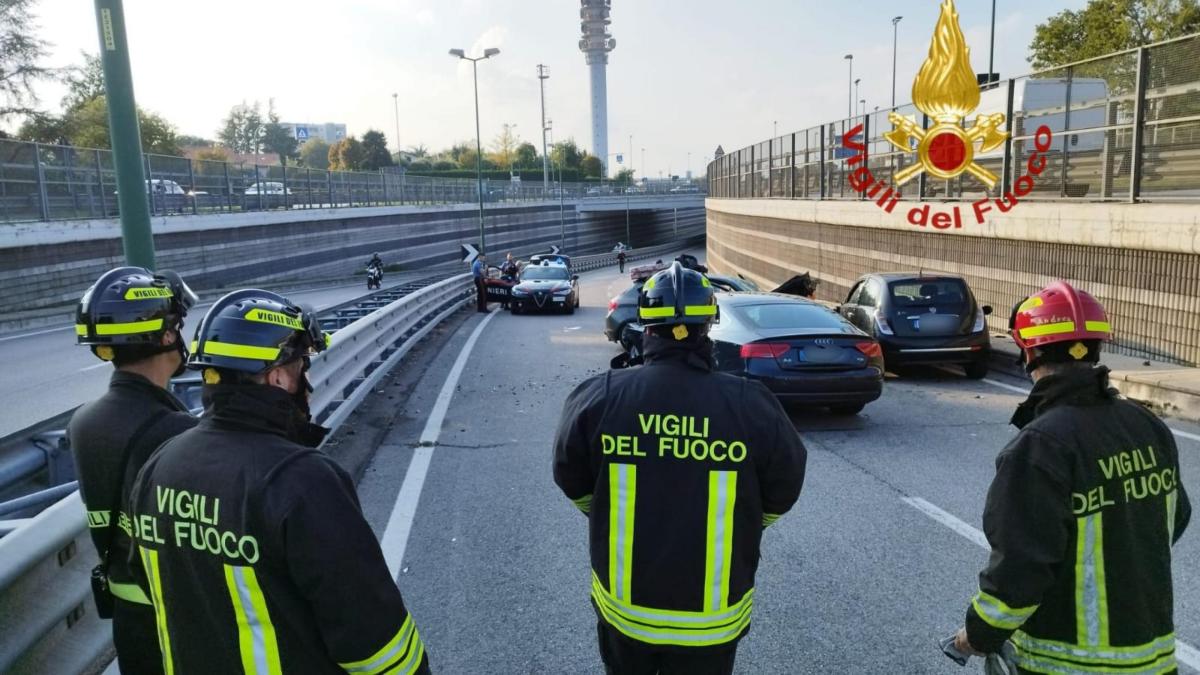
{"x": 547, "y": 286}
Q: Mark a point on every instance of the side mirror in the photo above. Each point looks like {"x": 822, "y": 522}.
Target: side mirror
{"x": 987, "y": 309}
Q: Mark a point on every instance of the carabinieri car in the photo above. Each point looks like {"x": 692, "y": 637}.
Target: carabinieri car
{"x": 545, "y": 287}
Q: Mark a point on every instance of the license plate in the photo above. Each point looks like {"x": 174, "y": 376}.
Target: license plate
{"x": 560, "y": 300}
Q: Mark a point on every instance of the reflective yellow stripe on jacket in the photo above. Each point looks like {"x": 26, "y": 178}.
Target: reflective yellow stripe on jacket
{"x": 1048, "y": 656}
{"x": 1091, "y": 592}
{"x": 402, "y": 655}
{"x": 256, "y": 633}
{"x": 150, "y": 562}
{"x": 998, "y": 614}
{"x": 673, "y": 627}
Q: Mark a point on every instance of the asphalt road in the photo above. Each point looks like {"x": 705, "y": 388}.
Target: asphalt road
{"x": 45, "y": 373}
{"x": 877, "y": 561}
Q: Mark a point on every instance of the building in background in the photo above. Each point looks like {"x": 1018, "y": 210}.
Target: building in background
{"x": 329, "y": 132}
{"x": 596, "y": 43}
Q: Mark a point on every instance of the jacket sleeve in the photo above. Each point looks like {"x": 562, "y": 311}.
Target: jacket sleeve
{"x": 1183, "y": 509}
{"x": 782, "y": 474}
{"x": 1027, "y": 522}
{"x": 573, "y": 471}
{"x": 335, "y": 560}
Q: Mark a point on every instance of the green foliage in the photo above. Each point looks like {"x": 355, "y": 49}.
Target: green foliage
{"x": 242, "y": 129}
{"x": 277, "y": 138}
{"x": 347, "y": 155}
{"x": 418, "y": 150}
{"x": 42, "y": 128}
{"x": 528, "y": 176}
{"x": 566, "y": 154}
{"x": 84, "y": 82}
{"x": 315, "y": 154}
{"x": 526, "y": 157}
{"x": 504, "y": 147}
{"x": 21, "y": 53}
{"x": 443, "y": 165}
{"x": 189, "y": 141}
{"x": 87, "y": 127}
{"x": 213, "y": 154}
{"x": 1107, "y": 26}
{"x": 591, "y": 166}
{"x": 624, "y": 176}
{"x": 375, "y": 152}
{"x": 421, "y": 165}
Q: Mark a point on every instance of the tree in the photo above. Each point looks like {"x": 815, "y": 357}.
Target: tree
{"x": 346, "y": 155}
{"x": 42, "y": 128}
{"x": 213, "y": 154}
{"x": 591, "y": 166}
{"x": 375, "y": 152}
{"x": 466, "y": 158}
{"x": 504, "y": 147}
{"x": 566, "y": 154}
{"x": 1107, "y": 26}
{"x": 444, "y": 165}
{"x": 242, "y": 129}
{"x": 87, "y": 126}
{"x": 190, "y": 141}
{"x": 624, "y": 176}
{"x": 277, "y": 138}
{"x": 418, "y": 150}
{"x": 20, "y": 55}
{"x": 420, "y": 165}
{"x": 84, "y": 82}
{"x": 315, "y": 154}
{"x": 526, "y": 156}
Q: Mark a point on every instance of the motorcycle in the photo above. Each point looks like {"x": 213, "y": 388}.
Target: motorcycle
{"x": 374, "y": 277}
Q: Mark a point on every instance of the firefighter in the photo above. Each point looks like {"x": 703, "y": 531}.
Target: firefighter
{"x": 1081, "y": 516}
{"x": 678, "y": 469}
{"x": 132, "y": 318}
{"x": 252, "y": 543}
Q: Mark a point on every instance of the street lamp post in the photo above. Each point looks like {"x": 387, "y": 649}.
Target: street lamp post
{"x": 543, "y": 75}
{"x": 856, "y": 92}
{"x": 849, "y": 82}
{"x": 992, "y": 46}
{"x": 862, "y": 102}
{"x": 487, "y": 54}
{"x": 895, "y": 20}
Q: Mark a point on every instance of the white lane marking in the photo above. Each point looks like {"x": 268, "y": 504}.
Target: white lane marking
{"x": 1182, "y": 434}
{"x": 98, "y": 365}
{"x": 22, "y": 336}
{"x": 1184, "y": 653}
{"x": 949, "y": 520}
{"x": 395, "y": 535}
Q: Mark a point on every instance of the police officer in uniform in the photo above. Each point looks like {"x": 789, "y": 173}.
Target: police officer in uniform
{"x": 132, "y": 318}
{"x": 678, "y": 469}
{"x": 1082, "y": 514}
{"x": 252, "y": 543}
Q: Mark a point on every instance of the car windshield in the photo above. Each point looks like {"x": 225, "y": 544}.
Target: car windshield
{"x": 789, "y": 315}
{"x": 947, "y": 296}
{"x": 546, "y": 272}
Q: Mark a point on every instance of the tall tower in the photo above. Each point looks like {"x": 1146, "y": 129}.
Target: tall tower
{"x": 596, "y": 43}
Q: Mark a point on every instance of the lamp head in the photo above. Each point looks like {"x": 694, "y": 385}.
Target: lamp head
{"x": 459, "y": 53}
{"x": 490, "y": 52}
{"x": 849, "y": 57}
{"x": 896, "y": 20}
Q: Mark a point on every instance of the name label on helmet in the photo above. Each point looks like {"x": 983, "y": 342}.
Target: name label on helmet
{"x": 148, "y": 293}
{"x": 277, "y": 318}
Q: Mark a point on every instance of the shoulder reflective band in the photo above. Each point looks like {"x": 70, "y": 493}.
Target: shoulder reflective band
{"x": 998, "y": 614}
{"x": 1099, "y": 327}
{"x": 212, "y": 348}
{"x": 402, "y": 654}
{"x": 1030, "y": 303}
{"x": 150, "y": 561}
{"x": 622, "y": 499}
{"x": 656, "y": 312}
{"x": 256, "y": 633}
{"x": 148, "y": 293}
{"x": 718, "y": 551}
{"x": 1048, "y": 329}
{"x": 131, "y": 328}
{"x": 700, "y": 310}
{"x": 1091, "y": 595}
{"x": 276, "y": 318}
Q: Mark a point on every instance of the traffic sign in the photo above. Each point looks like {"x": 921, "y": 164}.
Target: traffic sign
{"x": 301, "y": 133}
{"x": 555, "y": 250}
{"x": 620, "y": 158}
{"x": 469, "y": 253}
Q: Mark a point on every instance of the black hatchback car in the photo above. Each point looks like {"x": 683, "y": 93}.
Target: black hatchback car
{"x": 922, "y": 319}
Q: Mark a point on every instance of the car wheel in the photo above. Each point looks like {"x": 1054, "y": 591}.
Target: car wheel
{"x": 976, "y": 370}
{"x": 847, "y": 408}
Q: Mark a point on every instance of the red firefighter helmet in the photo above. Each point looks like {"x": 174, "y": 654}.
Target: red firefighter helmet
{"x": 1056, "y": 314}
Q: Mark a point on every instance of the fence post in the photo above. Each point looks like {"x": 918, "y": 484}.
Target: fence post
{"x": 228, "y": 188}
{"x": 258, "y": 186}
{"x": 792, "y": 171}
{"x": 821, "y": 165}
{"x": 150, "y": 185}
{"x": 100, "y": 182}
{"x": 1066, "y": 137}
{"x": 923, "y": 179}
{"x": 383, "y": 183}
{"x": 350, "y": 191}
{"x": 192, "y": 182}
{"x": 308, "y": 185}
{"x": 1108, "y": 154}
{"x": 329, "y": 186}
{"x": 287, "y": 203}
{"x": 862, "y": 196}
{"x": 1139, "y": 122}
{"x": 402, "y": 180}
{"x": 43, "y": 201}
{"x": 1006, "y": 179}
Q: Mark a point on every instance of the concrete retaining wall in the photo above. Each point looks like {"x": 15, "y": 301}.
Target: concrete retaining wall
{"x": 42, "y": 270}
{"x": 1142, "y": 261}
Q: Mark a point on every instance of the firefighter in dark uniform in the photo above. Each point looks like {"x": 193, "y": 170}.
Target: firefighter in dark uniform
{"x": 251, "y": 541}
{"x": 678, "y": 469}
{"x": 132, "y": 318}
{"x": 1082, "y": 514}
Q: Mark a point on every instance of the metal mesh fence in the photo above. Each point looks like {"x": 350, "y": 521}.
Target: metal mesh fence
{"x": 1124, "y": 127}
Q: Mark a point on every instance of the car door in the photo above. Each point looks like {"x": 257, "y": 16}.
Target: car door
{"x": 869, "y": 299}
{"x": 849, "y": 308}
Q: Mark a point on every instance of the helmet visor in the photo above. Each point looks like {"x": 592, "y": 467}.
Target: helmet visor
{"x": 184, "y": 296}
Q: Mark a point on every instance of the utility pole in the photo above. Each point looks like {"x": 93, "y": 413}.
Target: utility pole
{"x": 543, "y": 75}
{"x": 849, "y": 94}
{"x": 396, "y": 106}
{"x": 132, "y": 190}
{"x": 895, "y": 21}
{"x": 992, "y": 46}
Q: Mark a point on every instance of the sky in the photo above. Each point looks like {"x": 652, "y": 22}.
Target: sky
{"x": 686, "y": 75}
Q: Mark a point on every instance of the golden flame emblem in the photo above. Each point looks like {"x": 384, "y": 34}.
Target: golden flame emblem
{"x": 946, "y": 91}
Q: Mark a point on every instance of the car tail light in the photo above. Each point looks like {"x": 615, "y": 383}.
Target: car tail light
{"x": 881, "y": 323}
{"x": 764, "y": 350}
{"x": 871, "y": 349}
{"x": 612, "y": 304}
{"x": 980, "y": 322}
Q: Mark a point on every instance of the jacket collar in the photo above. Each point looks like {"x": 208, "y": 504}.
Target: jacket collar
{"x": 260, "y": 408}
{"x": 697, "y": 354}
{"x": 123, "y": 379}
{"x": 1071, "y": 387}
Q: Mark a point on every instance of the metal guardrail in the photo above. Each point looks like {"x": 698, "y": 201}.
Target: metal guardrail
{"x": 1126, "y": 128}
{"x": 47, "y": 623}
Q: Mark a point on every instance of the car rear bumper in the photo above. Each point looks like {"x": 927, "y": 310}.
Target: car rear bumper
{"x": 843, "y": 386}
{"x": 959, "y": 349}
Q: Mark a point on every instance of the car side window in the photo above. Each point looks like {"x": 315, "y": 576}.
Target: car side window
{"x": 870, "y": 294}
{"x": 852, "y": 298}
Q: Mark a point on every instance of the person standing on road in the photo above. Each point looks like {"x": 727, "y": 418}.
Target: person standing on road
{"x": 1082, "y": 514}
{"x": 251, "y": 542}
{"x": 678, "y": 469}
{"x": 621, "y": 260}
{"x": 479, "y": 272}
{"x": 132, "y": 318}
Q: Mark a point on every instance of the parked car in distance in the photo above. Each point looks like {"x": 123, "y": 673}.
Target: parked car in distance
{"x": 267, "y": 195}
{"x": 165, "y": 196}
{"x": 549, "y": 286}
{"x": 921, "y": 318}
{"x": 805, "y": 353}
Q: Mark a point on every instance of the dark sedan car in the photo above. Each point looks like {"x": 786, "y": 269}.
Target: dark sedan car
{"x": 802, "y": 351}
{"x": 922, "y": 319}
{"x": 545, "y": 287}
{"x": 622, "y": 308}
